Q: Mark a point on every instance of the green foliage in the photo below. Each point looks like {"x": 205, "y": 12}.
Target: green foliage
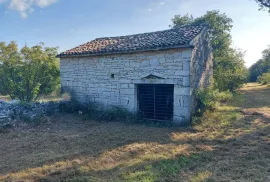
{"x": 220, "y": 24}
{"x": 28, "y": 73}
{"x": 173, "y": 166}
{"x": 229, "y": 70}
{"x": 145, "y": 175}
{"x": 210, "y": 99}
{"x": 260, "y": 67}
{"x": 264, "y": 4}
{"x": 163, "y": 170}
{"x": 264, "y": 78}
{"x": 179, "y": 20}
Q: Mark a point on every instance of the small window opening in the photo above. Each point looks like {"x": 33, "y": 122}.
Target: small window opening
{"x": 112, "y": 75}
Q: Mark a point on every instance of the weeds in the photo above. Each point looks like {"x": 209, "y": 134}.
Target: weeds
{"x": 100, "y": 112}
{"x": 210, "y": 99}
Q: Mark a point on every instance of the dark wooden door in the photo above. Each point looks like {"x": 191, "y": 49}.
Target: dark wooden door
{"x": 155, "y": 101}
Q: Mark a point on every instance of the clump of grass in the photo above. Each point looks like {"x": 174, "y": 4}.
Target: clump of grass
{"x": 210, "y": 99}
{"x": 202, "y": 176}
{"x": 146, "y": 175}
{"x": 161, "y": 170}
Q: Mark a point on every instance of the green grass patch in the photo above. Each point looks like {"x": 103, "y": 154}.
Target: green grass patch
{"x": 161, "y": 170}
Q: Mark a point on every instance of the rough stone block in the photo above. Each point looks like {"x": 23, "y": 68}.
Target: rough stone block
{"x": 186, "y": 82}
{"x": 134, "y": 64}
{"x": 181, "y": 73}
{"x": 186, "y": 101}
{"x": 162, "y": 60}
{"x": 132, "y": 86}
{"x": 181, "y": 91}
{"x": 154, "y": 62}
{"x": 127, "y": 91}
{"x": 181, "y": 111}
{"x": 145, "y": 63}
{"x": 186, "y": 65}
{"x": 124, "y": 85}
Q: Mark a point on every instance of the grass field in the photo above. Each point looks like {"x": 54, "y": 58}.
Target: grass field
{"x": 230, "y": 144}
{"x": 42, "y": 99}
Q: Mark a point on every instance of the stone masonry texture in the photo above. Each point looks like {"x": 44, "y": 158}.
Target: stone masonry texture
{"x": 113, "y": 79}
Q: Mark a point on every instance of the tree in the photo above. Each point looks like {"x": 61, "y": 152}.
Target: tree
{"x": 264, "y": 4}
{"x": 28, "y": 73}
{"x": 230, "y": 73}
{"x": 229, "y": 70}
{"x": 220, "y": 24}
{"x": 179, "y": 20}
{"x": 261, "y": 66}
{"x": 264, "y": 78}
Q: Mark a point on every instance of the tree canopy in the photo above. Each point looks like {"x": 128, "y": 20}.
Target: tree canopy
{"x": 229, "y": 70}
{"x": 28, "y": 73}
{"x": 261, "y": 66}
{"x": 264, "y": 4}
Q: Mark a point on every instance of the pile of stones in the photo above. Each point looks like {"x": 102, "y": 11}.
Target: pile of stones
{"x": 15, "y": 111}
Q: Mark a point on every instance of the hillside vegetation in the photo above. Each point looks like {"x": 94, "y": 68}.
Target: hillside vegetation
{"x": 230, "y": 144}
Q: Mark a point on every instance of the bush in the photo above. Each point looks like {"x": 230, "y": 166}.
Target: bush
{"x": 264, "y": 78}
{"x": 210, "y": 99}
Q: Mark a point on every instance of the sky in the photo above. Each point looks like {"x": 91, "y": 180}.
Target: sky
{"x": 69, "y": 23}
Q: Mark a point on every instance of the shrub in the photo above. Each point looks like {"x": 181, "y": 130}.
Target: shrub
{"x": 98, "y": 111}
{"x": 264, "y": 78}
{"x": 210, "y": 99}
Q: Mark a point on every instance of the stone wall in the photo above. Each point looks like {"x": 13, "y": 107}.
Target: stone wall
{"x": 112, "y": 79}
{"x": 12, "y": 112}
{"x": 201, "y": 65}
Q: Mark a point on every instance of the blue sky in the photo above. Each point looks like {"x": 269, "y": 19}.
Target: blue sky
{"x": 68, "y": 23}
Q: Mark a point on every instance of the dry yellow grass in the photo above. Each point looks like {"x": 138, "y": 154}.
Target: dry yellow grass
{"x": 5, "y": 98}
{"x": 230, "y": 144}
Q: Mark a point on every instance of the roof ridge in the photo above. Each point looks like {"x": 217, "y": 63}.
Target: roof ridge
{"x": 157, "y": 40}
{"x": 145, "y": 33}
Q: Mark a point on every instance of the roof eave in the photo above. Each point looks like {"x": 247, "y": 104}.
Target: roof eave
{"x": 126, "y": 52}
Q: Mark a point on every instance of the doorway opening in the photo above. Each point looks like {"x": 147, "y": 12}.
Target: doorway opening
{"x": 155, "y": 101}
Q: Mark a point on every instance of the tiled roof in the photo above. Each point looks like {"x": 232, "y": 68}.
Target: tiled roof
{"x": 160, "y": 40}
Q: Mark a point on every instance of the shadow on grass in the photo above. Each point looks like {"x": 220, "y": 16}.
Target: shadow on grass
{"x": 165, "y": 157}
{"x": 226, "y": 146}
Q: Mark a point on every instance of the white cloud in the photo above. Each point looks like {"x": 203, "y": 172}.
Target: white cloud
{"x": 25, "y": 7}
{"x": 161, "y": 3}
{"x": 44, "y": 3}
{"x": 149, "y": 9}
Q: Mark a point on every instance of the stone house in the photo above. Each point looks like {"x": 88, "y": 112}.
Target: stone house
{"x": 155, "y": 73}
